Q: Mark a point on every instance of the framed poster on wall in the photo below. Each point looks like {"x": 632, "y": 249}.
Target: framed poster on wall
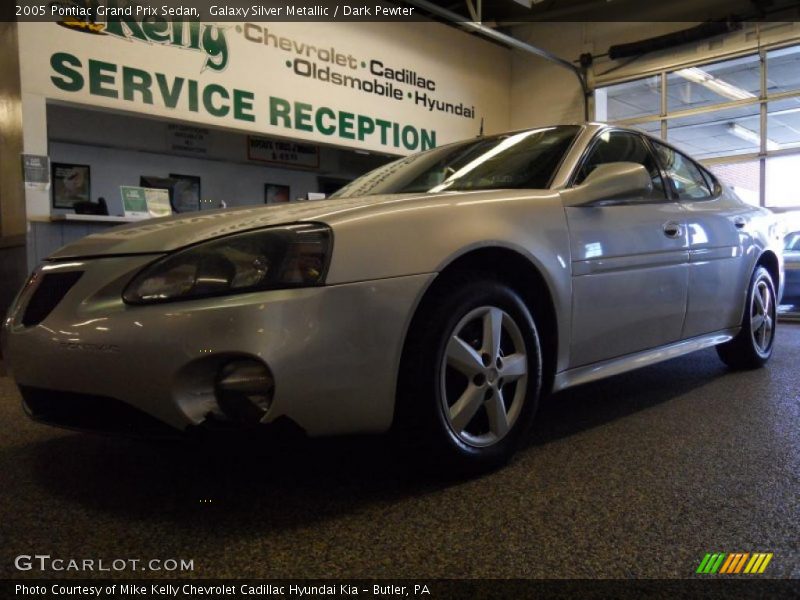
{"x": 185, "y": 193}
{"x": 275, "y": 194}
{"x": 71, "y": 184}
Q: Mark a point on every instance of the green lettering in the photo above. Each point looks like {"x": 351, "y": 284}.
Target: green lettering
{"x": 410, "y": 137}
{"x": 366, "y": 126}
{"x": 428, "y": 139}
{"x": 156, "y": 28}
{"x": 136, "y": 80}
{"x": 208, "y": 100}
{"x": 177, "y": 33}
{"x": 279, "y": 109}
{"x": 384, "y": 125}
{"x": 322, "y": 127}
{"x": 101, "y": 73}
{"x": 346, "y": 125}
{"x": 193, "y": 96}
{"x": 194, "y": 36}
{"x": 117, "y": 26}
{"x": 216, "y": 46}
{"x": 71, "y": 80}
{"x": 302, "y": 116}
{"x": 243, "y": 106}
{"x": 170, "y": 95}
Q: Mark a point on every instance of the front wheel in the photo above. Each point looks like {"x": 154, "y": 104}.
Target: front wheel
{"x": 752, "y": 347}
{"x": 471, "y": 376}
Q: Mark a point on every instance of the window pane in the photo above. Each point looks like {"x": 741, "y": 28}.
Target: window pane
{"x": 652, "y": 127}
{"x": 742, "y": 177}
{"x": 790, "y": 220}
{"x": 736, "y": 79}
{"x": 783, "y": 70}
{"x": 781, "y": 181}
{"x": 783, "y": 124}
{"x": 622, "y": 147}
{"x": 719, "y": 133}
{"x": 629, "y": 100}
{"x": 687, "y": 180}
{"x": 792, "y": 242}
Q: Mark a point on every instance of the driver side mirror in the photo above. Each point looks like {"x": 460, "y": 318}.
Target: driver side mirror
{"x": 611, "y": 183}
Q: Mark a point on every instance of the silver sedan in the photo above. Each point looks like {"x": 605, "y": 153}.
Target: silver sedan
{"x": 440, "y": 296}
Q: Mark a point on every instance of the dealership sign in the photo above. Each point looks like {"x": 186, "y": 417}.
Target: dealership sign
{"x": 190, "y": 35}
{"x": 371, "y": 87}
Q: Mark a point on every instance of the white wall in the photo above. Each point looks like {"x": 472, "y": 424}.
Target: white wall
{"x": 543, "y": 93}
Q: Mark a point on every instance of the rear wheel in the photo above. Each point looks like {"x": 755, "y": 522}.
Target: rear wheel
{"x": 752, "y": 347}
{"x": 470, "y": 378}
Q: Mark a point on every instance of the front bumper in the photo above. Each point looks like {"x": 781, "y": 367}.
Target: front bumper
{"x": 333, "y": 351}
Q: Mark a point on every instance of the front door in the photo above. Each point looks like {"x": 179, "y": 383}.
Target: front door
{"x": 629, "y": 262}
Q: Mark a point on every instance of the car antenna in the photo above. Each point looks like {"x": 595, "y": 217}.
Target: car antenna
{"x": 480, "y": 133}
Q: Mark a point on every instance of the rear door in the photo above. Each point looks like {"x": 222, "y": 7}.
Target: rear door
{"x": 629, "y": 261}
{"x": 716, "y": 223}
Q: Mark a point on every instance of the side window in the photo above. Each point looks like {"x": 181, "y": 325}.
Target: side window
{"x": 712, "y": 182}
{"x": 687, "y": 179}
{"x": 622, "y": 146}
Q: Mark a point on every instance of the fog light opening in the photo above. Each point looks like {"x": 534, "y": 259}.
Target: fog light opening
{"x": 244, "y": 390}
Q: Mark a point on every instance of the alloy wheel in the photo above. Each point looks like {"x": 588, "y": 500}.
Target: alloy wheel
{"x": 762, "y": 317}
{"x": 484, "y": 376}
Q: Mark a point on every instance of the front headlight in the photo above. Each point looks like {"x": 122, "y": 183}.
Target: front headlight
{"x": 264, "y": 259}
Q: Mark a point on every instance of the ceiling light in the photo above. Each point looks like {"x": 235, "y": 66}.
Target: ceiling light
{"x": 716, "y": 85}
{"x": 749, "y": 135}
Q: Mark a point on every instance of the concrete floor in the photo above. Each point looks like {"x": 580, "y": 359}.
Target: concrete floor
{"x": 638, "y": 476}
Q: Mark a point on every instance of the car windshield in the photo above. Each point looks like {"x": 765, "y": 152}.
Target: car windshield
{"x": 527, "y": 159}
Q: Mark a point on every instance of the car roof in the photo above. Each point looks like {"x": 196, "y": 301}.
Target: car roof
{"x": 592, "y": 127}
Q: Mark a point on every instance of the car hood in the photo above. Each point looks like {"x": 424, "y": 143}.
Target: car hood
{"x": 165, "y": 234}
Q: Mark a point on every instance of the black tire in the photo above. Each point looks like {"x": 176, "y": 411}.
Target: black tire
{"x": 749, "y": 350}
{"x": 427, "y": 381}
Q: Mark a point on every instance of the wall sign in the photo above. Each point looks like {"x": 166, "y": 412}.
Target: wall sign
{"x": 134, "y": 201}
{"x": 36, "y": 171}
{"x": 284, "y": 153}
{"x": 184, "y": 139}
{"x": 141, "y": 202}
{"x": 338, "y": 83}
{"x": 158, "y": 204}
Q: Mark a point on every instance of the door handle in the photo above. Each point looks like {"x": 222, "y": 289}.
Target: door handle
{"x": 673, "y": 230}
{"x": 739, "y": 222}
